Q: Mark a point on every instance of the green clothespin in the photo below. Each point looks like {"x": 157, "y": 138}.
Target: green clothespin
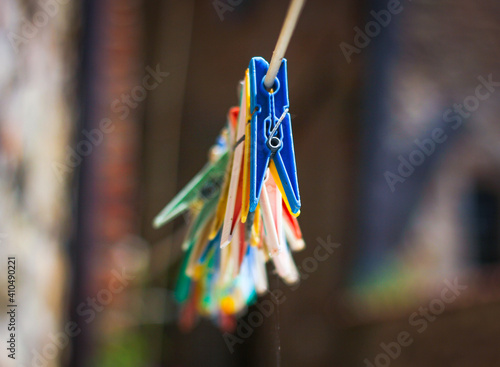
{"x": 200, "y": 221}
{"x": 209, "y": 178}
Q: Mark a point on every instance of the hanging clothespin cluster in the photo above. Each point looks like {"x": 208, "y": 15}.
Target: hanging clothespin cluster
{"x": 243, "y": 206}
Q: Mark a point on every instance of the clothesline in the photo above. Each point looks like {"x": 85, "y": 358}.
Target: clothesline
{"x": 283, "y": 40}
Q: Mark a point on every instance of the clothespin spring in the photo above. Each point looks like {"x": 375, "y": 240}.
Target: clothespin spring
{"x": 273, "y": 142}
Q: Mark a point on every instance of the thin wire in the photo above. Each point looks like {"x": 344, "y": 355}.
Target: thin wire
{"x": 283, "y": 40}
{"x": 277, "y": 327}
{"x": 278, "y": 123}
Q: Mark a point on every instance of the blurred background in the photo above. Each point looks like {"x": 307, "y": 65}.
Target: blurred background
{"x": 108, "y": 108}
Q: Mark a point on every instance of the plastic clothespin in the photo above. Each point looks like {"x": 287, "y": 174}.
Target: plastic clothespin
{"x": 205, "y": 185}
{"x": 271, "y": 134}
{"x": 199, "y": 222}
{"x": 269, "y": 210}
{"x": 226, "y": 189}
{"x": 292, "y": 231}
{"x": 245, "y": 201}
{"x": 232, "y": 210}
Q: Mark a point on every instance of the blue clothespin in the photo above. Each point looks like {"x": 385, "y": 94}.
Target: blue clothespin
{"x": 271, "y": 134}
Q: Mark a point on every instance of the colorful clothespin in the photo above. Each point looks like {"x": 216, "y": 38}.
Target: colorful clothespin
{"x": 271, "y": 135}
{"x": 233, "y": 231}
{"x": 244, "y": 202}
{"x": 203, "y": 186}
{"x": 234, "y": 197}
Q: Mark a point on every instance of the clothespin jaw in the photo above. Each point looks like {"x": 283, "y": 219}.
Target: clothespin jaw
{"x": 269, "y": 109}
